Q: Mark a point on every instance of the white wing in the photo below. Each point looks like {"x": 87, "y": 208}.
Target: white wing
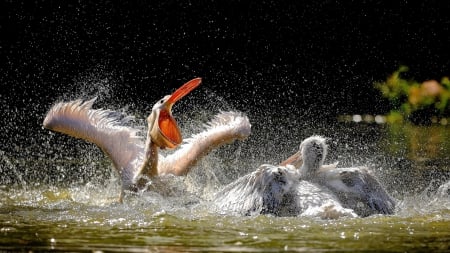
{"x": 224, "y": 128}
{"x": 262, "y": 191}
{"x": 358, "y": 189}
{"x": 102, "y": 127}
{"x": 241, "y": 197}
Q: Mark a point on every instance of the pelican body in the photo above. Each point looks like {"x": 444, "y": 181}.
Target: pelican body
{"x": 262, "y": 191}
{"x": 276, "y": 190}
{"x": 137, "y": 161}
{"x": 356, "y": 188}
{"x": 303, "y": 186}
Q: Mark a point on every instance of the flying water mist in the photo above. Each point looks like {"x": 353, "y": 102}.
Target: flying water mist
{"x": 49, "y": 169}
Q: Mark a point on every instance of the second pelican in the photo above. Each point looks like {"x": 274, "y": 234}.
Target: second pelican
{"x": 356, "y": 188}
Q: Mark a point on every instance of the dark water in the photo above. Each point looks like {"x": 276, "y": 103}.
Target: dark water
{"x": 79, "y": 227}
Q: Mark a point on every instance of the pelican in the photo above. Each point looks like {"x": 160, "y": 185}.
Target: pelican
{"x": 135, "y": 161}
{"x": 277, "y": 190}
{"x": 356, "y": 188}
{"x": 260, "y": 192}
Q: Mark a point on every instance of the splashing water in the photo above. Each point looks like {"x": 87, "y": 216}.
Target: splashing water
{"x": 59, "y": 193}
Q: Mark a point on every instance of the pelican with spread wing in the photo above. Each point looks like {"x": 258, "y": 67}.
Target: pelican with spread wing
{"x": 355, "y": 187}
{"x": 135, "y": 160}
{"x": 303, "y": 185}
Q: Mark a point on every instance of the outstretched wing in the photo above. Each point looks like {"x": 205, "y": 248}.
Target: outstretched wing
{"x": 224, "y": 128}
{"x": 104, "y": 128}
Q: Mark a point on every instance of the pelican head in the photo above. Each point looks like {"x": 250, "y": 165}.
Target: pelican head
{"x": 163, "y": 128}
{"x": 313, "y": 151}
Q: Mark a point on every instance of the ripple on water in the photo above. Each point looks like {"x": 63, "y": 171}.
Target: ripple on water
{"x": 53, "y": 218}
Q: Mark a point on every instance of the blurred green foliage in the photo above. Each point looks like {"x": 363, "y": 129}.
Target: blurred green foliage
{"x": 411, "y": 99}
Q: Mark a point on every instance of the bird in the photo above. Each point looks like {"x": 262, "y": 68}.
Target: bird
{"x": 138, "y": 162}
{"x": 278, "y": 191}
{"x": 259, "y": 192}
{"x": 356, "y": 188}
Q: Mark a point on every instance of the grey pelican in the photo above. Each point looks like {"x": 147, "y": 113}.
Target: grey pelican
{"x": 303, "y": 186}
{"x": 277, "y": 190}
{"x": 135, "y": 161}
{"x": 356, "y": 188}
{"x": 260, "y": 192}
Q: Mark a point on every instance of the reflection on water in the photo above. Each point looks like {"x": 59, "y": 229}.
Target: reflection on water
{"x": 424, "y": 152}
{"x": 62, "y": 196}
{"x": 420, "y": 143}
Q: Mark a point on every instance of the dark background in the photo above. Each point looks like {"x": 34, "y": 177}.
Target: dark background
{"x": 317, "y": 59}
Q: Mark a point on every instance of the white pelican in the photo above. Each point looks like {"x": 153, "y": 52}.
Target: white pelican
{"x": 135, "y": 161}
{"x": 277, "y": 190}
{"x": 314, "y": 189}
{"x": 259, "y": 192}
{"x": 356, "y": 188}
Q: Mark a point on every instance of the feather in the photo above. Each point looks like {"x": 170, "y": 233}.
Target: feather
{"x": 225, "y": 127}
{"x": 105, "y": 128}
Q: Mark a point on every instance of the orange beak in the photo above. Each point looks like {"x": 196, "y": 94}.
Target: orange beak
{"x": 167, "y": 124}
{"x": 184, "y": 90}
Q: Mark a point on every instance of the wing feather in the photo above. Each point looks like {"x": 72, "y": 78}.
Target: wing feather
{"x": 358, "y": 189}
{"x": 225, "y": 127}
{"x": 107, "y": 129}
